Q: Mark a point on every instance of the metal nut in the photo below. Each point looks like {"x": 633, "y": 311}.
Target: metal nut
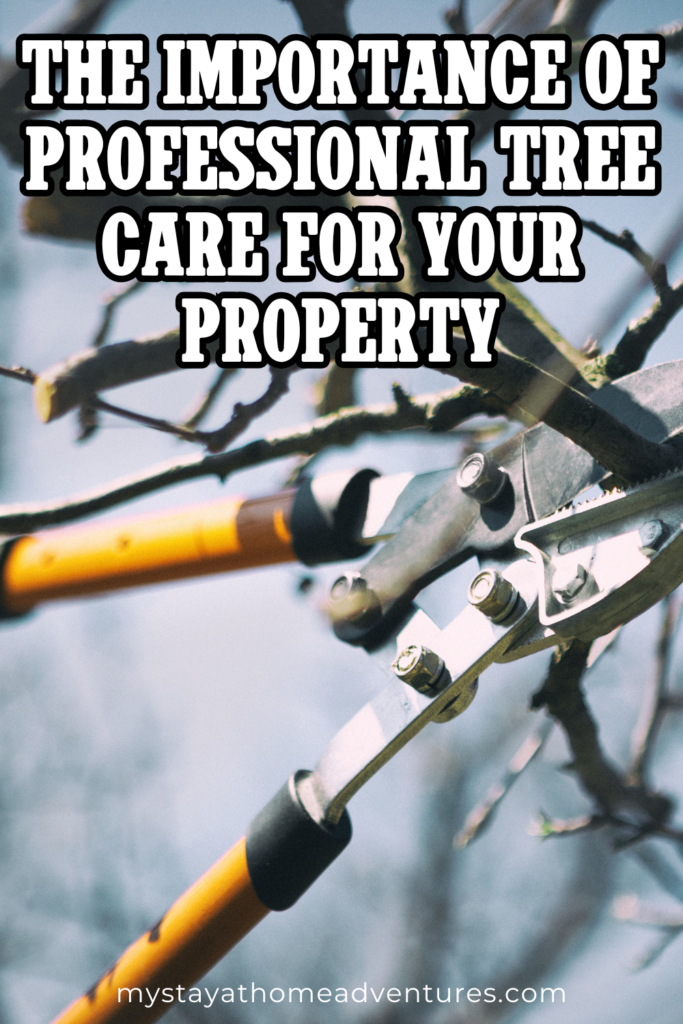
{"x": 422, "y": 669}
{"x": 568, "y": 583}
{"x": 491, "y": 594}
{"x": 482, "y": 478}
{"x": 653, "y": 534}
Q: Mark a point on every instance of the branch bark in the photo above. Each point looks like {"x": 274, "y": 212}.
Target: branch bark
{"x": 531, "y": 393}
{"x": 72, "y": 382}
{"x": 434, "y": 413}
{"x": 562, "y": 695}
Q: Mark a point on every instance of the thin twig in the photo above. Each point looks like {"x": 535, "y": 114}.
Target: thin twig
{"x": 213, "y": 440}
{"x": 203, "y": 406}
{"x": 631, "y": 910}
{"x": 146, "y": 421}
{"x": 88, "y": 420}
{"x": 110, "y": 304}
{"x": 244, "y": 415}
{"x": 434, "y": 413}
{"x": 655, "y": 270}
{"x": 481, "y": 816}
{"x": 638, "y": 809}
{"x": 654, "y": 704}
{"x": 544, "y": 827}
{"x": 18, "y": 373}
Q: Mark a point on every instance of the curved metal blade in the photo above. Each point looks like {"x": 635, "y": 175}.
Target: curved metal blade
{"x": 546, "y": 471}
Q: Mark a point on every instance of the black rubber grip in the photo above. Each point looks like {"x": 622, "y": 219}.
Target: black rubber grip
{"x": 287, "y": 850}
{"x": 321, "y": 535}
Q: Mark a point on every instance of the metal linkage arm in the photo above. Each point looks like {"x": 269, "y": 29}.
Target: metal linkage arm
{"x": 306, "y": 826}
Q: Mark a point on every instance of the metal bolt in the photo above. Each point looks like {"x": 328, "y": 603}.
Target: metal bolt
{"x": 568, "y": 583}
{"x": 491, "y": 594}
{"x": 353, "y": 606}
{"x": 482, "y": 478}
{"x": 422, "y": 669}
{"x": 653, "y": 534}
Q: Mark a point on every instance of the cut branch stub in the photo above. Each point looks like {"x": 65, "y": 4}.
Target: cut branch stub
{"x": 72, "y": 382}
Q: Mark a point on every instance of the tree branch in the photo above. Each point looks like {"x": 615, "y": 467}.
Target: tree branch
{"x": 655, "y": 703}
{"x": 530, "y": 393}
{"x": 74, "y": 381}
{"x": 632, "y": 806}
{"x": 80, "y": 19}
{"x": 434, "y": 413}
{"x": 655, "y": 270}
{"x": 201, "y": 409}
{"x": 636, "y": 341}
{"x": 481, "y": 816}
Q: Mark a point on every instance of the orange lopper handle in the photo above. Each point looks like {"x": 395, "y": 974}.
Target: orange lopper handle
{"x": 219, "y": 536}
{"x": 201, "y": 926}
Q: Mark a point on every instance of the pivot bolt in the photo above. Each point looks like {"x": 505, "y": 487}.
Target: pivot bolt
{"x": 653, "y": 534}
{"x": 354, "y": 607}
{"x": 568, "y": 584}
{"x": 491, "y": 594}
{"x": 482, "y": 478}
{"x": 422, "y": 669}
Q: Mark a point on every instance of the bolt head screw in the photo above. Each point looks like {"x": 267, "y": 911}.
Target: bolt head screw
{"x": 491, "y": 594}
{"x": 653, "y": 534}
{"x": 422, "y": 669}
{"x": 352, "y": 606}
{"x": 481, "y": 478}
{"x": 568, "y": 584}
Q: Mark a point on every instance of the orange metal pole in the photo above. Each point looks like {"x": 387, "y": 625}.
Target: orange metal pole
{"x": 201, "y": 926}
{"x": 219, "y": 536}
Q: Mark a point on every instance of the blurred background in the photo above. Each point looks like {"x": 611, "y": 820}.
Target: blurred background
{"x": 140, "y": 732}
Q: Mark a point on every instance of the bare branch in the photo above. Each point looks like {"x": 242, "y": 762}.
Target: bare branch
{"x": 201, "y": 409}
{"x": 654, "y": 861}
{"x": 655, "y": 270}
{"x": 18, "y": 373}
{"x": 153, "y": 422}
{"x": 530, "y": 393}
{"x": 435, "y": 413}
{"x": 544, "y": 827}
{"x": 574, "y": 17}
{"x": 78, "y": 217}
{"x": 630, "y": 908}
{"x": 81, "y": 18}
{"x": 87, "y": 414}
{"x": 243, "y": 415}
{"x": 635, "y": 343}
{"x": 561, "y": 693}
{"x": 654, "y": 704}
{"x": 673, "y": 36}
{"x": 456, "y": 18}
{"x": 73, "y": 382}
{"x": 670, "y": 923}
{"x": 482, "y": 815}
{"x": 110, "y": 304}
{"x": 337, "y": 389}
{"x": 213, "y": 440}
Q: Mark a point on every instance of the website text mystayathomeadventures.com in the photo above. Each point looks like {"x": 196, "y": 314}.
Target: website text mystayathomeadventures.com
{"x": 253, "y": 993}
